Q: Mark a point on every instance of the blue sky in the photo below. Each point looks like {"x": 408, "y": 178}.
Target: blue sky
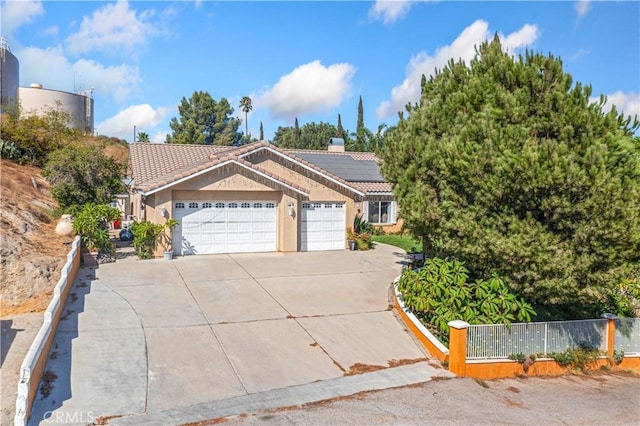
{"x": 305, "y": 59}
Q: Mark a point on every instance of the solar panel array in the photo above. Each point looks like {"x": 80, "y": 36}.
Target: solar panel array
{"x": 345, "y": 167}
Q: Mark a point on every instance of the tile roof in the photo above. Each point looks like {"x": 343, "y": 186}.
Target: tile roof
{"x": 154, "y": 166}
{"x": 150, "y": 161}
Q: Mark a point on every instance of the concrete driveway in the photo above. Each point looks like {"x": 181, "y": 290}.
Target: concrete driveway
{"x": 144, "y": 337}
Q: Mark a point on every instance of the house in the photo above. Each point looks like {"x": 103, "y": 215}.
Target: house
{"x": 257, "y": 197}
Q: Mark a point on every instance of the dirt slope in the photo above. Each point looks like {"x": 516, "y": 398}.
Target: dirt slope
{"x": 31, "y": 254}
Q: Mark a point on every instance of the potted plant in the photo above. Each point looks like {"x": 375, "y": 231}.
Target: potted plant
{"x": 167, "y": 238}
{"x": 351, "y": 239}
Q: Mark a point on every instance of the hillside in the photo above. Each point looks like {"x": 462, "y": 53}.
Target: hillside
{"x": 31, "y": 254}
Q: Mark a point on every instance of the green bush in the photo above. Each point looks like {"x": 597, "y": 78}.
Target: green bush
{"x": 90, "y": 223}
{"x": 580, "y": 358}
{"x": 146, "y": 235}
{"x": 440, "y": 292}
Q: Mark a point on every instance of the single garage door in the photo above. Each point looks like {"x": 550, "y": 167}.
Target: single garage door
{"x": 323, "y": 226}
{"x": 224, "y": 227}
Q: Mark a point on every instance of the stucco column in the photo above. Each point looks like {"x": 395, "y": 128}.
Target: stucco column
{"x": 611, "y": 332}
{"x": 458, "y": 347}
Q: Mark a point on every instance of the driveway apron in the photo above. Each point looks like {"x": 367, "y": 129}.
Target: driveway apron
{"x": 141, "y": 337}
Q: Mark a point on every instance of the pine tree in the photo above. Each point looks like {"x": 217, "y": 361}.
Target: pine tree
{"x": 506, "y": 164}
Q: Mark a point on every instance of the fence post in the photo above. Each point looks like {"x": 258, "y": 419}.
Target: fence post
{"x": 458, "y": 347}
{"x": 611, "y": 332}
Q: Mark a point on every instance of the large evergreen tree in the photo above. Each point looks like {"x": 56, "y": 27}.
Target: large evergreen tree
{"x": 204, "y": 121}
{"x": 507, "y": 165}
{"x": 312, "y": 136}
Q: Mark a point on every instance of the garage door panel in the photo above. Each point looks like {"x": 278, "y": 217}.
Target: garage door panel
{"x": 224, "y": 227}
{"x": 323, "y": 226}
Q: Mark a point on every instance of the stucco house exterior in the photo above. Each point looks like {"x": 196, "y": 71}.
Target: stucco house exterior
{"x": 257, "y": 197}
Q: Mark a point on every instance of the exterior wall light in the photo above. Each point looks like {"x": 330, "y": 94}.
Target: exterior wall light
{"x": 292, "y": 212}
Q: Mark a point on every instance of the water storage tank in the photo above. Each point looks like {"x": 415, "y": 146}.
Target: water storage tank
{"x": 35, "y": 99}
{"x": 9, "y": 74}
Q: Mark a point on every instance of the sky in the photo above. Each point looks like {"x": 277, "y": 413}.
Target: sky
{"x": 307, "y": 59}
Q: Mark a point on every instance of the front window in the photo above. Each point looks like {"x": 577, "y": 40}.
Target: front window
{"x": 380, "y": 212}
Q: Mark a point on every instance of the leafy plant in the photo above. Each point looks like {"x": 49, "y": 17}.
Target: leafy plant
{"x": 440, "y": 292}
{"x": 361, "y": 226}
{"x": 618, "y": 357}
{"x": 364, "y": 242}
{"x": 91, "y": 224}
{"x": 580, "y": 358}
{"x": 146, "y": 235}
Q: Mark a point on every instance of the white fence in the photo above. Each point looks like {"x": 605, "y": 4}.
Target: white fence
{"x": 32, "y": 367}
{"x": 497, "y": 341}
{"x": 628, "y": 336}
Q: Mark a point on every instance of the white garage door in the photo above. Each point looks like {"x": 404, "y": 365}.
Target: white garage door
{"x": 224, "y": 227}
{"x": 323, "y": 226}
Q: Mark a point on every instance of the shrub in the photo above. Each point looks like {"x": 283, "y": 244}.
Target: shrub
{"x": 440, "y": 292}
{"x": 91, "y": 223}
{"x": 146, "y": 235}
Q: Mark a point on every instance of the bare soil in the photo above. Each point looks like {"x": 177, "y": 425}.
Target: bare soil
{"x": 31, "y": 254}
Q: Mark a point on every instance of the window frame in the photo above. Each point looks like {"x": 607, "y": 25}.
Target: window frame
{"x": 391, "y": 212}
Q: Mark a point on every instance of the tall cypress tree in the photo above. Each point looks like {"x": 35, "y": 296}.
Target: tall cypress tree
{"x": 261, "y": 132}
{"x": 340, "y": 132}
{"x": 360, "y": 124}
{"x": 297, "y": 133}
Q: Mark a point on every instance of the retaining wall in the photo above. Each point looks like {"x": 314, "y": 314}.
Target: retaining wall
{"x": 32, "y": 367}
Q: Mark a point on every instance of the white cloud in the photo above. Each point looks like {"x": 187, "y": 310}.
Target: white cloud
{"x": 518, "y": 39}
{"x": 18, "y": 13}
{"x": 142, "y": 116}
{"x": 114, "y": 26}
{"x": 390, "y": 11}
{"x": 463, "y": 47}
{"x": 308, "y": 88}
{"x": 116, "y": 81}
{"x": 159, "y": 137}
{"x": 582, "y": 7}
{"x": 628, "y": 103}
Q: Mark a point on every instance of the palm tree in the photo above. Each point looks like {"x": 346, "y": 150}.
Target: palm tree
{"x": 143, "y": 137}
{"x": 246, "y": 105}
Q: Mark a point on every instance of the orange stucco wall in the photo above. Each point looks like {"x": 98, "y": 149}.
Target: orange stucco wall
{"x": 545, "y": 367}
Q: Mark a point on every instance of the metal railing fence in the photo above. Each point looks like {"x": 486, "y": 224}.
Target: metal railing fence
{"x": 497, "y": 341}
{"x": 627, "y": 338}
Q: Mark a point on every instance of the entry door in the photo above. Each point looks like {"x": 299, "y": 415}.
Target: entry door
{"x": 323, "y": 226}
{"x": 224, "y": 227}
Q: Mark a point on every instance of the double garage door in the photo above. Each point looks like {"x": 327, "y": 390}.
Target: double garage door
{"x": 224, "y": 227}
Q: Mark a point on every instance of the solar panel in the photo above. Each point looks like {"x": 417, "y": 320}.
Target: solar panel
{"x": 345, "y": 167}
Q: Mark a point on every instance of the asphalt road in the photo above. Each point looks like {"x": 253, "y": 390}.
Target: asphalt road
{"x": 568, "y": 400}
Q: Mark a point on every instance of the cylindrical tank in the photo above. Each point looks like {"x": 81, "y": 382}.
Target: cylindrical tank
{"x": 9, "y": 74}
{"x": 37, "y": 100}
